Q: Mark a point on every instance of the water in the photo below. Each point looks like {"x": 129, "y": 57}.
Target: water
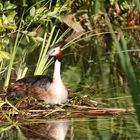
{"x": 95, "y": 128}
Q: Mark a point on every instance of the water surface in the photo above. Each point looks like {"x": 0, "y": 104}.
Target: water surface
{"x": 95, "y": 128}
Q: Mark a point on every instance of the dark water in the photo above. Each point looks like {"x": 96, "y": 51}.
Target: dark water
{"x": 96, "y": 128}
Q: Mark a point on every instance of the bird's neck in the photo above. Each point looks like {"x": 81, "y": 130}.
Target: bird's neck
{"x": 57, "y": 69}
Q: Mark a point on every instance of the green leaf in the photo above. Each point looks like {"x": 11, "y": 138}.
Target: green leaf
{"x": 4, "y": 55}
{"x": 24, "y": 32}
{"x": 27, "y": 38}
{"x": 10, "y": 26}
{"x": 5, "y": 20}
{"x": 9, "y": 6}
{"x": 1, "y": 25}
{"x": 11, "y": 16}
{"x": 39, "y": 39}
{"x": 32, "y": 12}
{"x": 1, "y": 6}
{"x": 112, "y": 2}
{"x": 23, "y": 3}
{"x": 40, "y": 10}
{"x": 32, "y": 34}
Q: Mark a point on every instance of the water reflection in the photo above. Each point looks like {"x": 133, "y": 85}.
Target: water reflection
{"x": 95, "y": 128}
{"x": 52, "y": 130}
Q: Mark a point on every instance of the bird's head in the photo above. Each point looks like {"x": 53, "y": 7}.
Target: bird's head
{"x": 56, "y": 52}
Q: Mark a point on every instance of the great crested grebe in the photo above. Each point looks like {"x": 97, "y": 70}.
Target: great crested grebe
{"x": 41, "y": 87}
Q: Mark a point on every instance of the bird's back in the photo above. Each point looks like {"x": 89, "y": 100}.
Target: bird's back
{"x": 22, "y": 86}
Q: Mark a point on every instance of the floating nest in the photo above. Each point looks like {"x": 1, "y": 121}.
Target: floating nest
{"x": 28, "y": 108}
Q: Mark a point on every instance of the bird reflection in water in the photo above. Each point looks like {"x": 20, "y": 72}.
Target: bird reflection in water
{"x": 52, "y": 130}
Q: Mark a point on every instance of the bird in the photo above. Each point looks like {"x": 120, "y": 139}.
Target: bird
{"x": 42, "y": 87}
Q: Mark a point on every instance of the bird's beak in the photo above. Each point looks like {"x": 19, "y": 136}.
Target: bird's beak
{"x": 49, "y": 51}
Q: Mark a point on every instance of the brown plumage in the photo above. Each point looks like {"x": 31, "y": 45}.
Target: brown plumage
{"x": 41, "y": 87}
